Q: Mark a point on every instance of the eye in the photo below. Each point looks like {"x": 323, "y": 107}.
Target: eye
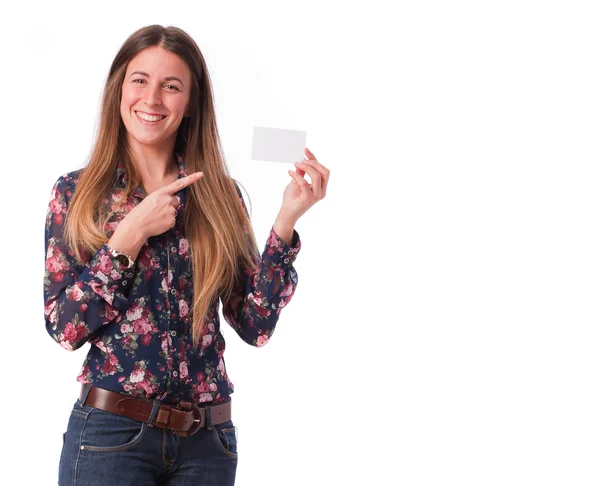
{"x": 137, "y": 80}
{"x": 173, "y": 86}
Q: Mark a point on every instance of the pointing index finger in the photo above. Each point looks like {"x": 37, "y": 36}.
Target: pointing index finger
{"x": 183, "y": 182}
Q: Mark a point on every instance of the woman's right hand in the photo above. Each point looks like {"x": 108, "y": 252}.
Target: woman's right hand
{"x": 158, "y": 210}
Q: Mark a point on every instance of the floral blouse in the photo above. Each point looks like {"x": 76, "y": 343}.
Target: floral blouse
{"x": 138, "y": 321}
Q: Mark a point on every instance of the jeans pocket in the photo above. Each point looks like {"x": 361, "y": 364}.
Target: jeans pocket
{"x": 109, "y": 432}
{"x": 225, "y": 437}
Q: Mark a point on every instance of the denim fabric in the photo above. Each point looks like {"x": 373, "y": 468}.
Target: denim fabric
{"x": 101, "y": 448}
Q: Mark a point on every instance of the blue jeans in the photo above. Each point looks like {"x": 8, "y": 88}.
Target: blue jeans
{"x": 102, "y": 448}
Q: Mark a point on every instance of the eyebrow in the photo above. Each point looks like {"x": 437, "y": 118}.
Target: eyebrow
{"x": 168, "y": 78}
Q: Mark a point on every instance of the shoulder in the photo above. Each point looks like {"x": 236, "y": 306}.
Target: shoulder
{"x": 65, "y": 185}
{"x": 69, "y": 178}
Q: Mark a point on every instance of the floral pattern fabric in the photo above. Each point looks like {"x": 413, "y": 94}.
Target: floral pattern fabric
{"x": 138, "y": 321}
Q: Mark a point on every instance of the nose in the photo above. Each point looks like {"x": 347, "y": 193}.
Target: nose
{"x": 153, "y": 96}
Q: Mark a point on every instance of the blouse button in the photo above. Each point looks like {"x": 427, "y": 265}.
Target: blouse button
{"x": 174, "y": 291}
{"x": 174, "y": 249}
{"x": 129, "y": 275}
{"x": 124, "y": 283}
{"x": 173, "y": 333}
{"x": 175, "y": 374}
{"x": 290, "y": 252}
{"x": 286, "y": 260}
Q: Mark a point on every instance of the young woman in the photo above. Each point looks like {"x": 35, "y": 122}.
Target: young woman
{"x": 141, "y": 244}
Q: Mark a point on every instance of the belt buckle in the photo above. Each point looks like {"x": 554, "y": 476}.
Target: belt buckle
{"x": 199, "y": 419}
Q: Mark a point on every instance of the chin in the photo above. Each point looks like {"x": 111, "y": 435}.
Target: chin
{"x": 151, "y": 141}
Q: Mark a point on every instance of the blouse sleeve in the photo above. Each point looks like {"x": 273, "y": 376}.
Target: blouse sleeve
{"x": 257, "y": 299}
{"x": 78, "y": 300}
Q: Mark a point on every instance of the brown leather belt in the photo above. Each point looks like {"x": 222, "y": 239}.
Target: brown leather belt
{"x": 184, "y": 419}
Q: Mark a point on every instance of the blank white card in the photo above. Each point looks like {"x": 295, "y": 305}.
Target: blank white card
{"x": 278, "y": 144}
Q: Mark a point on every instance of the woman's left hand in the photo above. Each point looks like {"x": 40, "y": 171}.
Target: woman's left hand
{"x": 299, "y": 195}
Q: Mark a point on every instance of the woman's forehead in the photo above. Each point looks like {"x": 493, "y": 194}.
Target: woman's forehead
{"x": 156, "y": 61}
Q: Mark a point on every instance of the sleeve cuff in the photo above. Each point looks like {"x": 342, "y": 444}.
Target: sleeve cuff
{"x": 279, "y": 252}
{"x": 108, "y": 277}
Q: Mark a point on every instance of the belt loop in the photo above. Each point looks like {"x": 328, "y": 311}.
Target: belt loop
{"x": 154, "y": 412}
{"x": 207, "y": 421}
{"x": 85, "y": 392}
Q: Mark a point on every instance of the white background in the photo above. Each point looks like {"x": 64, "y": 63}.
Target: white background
{"x": 445, "y": 325}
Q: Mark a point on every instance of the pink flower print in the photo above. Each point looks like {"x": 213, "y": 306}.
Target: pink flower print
{"x": 70, "y": 333}
{"x": 56, "y": 206}
{"x": 53, "y": 265}
{"x": 101, "y": 346}
{"x": 136, "y": 376}
{"x": 66, "y": 345}
{"x": 108, "y": 368}
{"x": 184, "y": 247}
{"x": 111, "y": 313}
{"x": 262, "y": 312}
{"x": 212, "y": 387}
{"x": 262, "y": 340}
{"x": 134, "y": 313}
{"x": 287, "y": 290}
{"x": 183, "y": 369}
{"x": 112, "y": 226}
{"x": 105, "y": 265}
{"x": 146, "y": 338}
{"x": 142, "y": 326}
{"x": 211, "y": 327}
{"x": 183, "y": 308}
{"x": 146, "y": 387}
{"x": 273, "y": 241}
{"x": 125, "y": 328}
{"x": 83, "y": 373}
{"x": 255, "y": 299}
{"x": 206, "y": 340}
{"x": 49, "y": 309}
{"x": 205, "y": 397}
{"x": 165, "y": 343}
{"x": 77, "y": 293}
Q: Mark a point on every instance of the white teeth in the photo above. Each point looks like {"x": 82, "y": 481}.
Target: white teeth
{"x": 150, "y": 118}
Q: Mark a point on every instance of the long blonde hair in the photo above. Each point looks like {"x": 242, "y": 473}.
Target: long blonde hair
{"x": 217, "y": 227}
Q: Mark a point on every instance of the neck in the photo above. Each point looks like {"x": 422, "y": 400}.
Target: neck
{"x": 154, "y": 163}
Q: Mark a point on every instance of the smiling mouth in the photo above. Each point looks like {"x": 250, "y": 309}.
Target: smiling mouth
{"x": 149, "y": 118}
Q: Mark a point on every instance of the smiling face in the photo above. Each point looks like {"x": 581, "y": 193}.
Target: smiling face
{"x": 155, "y": 97}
